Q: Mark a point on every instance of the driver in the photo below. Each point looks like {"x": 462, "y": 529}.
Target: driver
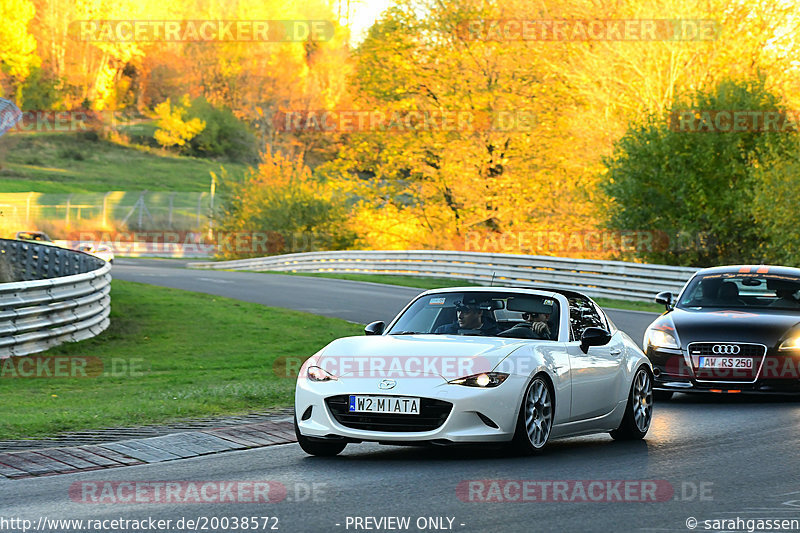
{"x": 538, "y": 322}
{"x": 535, "y": 325}
{"x": 471, "y": 319}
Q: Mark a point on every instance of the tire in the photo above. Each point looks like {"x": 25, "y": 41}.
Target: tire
{"x": 535, "y": 419}
{"x": 662, "y": 395}
{"x": 639, "y": 410}
{"x": 318, "y": 447}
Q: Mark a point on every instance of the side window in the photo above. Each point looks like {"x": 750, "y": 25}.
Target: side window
{"x": 610, "y": 326}
{"x": 582, "y": 315}
{"x": 606, "y": 323}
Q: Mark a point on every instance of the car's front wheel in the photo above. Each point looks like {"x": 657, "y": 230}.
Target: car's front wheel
{"x": 639, "y": 410}
{"x": 318, "y": 447}
{"x": 535, "y": 418}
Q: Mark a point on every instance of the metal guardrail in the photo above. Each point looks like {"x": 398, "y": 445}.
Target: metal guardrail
{"x": 60, "y": 295}
{"x": 150, "y": 249}
{"x": 610, "y": 279}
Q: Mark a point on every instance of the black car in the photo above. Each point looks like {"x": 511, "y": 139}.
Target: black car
{"x": 732, "y": 329}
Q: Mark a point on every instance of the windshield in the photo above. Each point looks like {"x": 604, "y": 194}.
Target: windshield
{"x": 488, "y": 314}
{"x": 742, "y": 290}
{"x": 25, "y": 236}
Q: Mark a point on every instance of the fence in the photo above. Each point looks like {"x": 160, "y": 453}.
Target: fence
{"x": 136, "y": 210}
{"x": 611, "y": 279}
{"x": 60, "y": 296}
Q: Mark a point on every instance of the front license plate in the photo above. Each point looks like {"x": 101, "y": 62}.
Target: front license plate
{"x": 384, "y": 404}
{"x": 726, "y": 362}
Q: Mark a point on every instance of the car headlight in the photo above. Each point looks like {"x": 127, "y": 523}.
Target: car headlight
{"x": 317, "y": 373}
{"x": 792, "y": 343}
{"x": 658, "y": 338}
{"x": 484, "y": 380}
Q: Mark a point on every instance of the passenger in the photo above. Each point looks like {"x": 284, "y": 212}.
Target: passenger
{"x": 471, "y": 320}
{"x": 786, "y": 298}
{"x": 729, "y": 294}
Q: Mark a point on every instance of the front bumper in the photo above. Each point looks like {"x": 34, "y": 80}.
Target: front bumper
{"x": 476, "y": 415}
{"x": 674, "y": 370}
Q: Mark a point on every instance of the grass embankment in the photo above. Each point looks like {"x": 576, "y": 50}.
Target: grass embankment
{"x": 192, "y": 355}
{"x": 74, "y": 163}
{"x": 436, "y": 283}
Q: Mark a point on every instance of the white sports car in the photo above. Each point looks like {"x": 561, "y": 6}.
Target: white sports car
{"x": 477, "y": 364}
{"x": 103, "y": 251}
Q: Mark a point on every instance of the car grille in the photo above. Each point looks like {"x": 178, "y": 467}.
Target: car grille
{"x": 755, "y": 352}
{"x": 432, "y": 415}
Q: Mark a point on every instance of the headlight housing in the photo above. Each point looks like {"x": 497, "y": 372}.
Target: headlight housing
{"x": 660, "y": 338}
{"x": 791, "y": 343}
{"x": 484, "y": 380}
{"x": 319, "y": 374}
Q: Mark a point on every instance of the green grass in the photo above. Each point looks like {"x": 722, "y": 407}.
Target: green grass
{"x": 194, "y": 355}
{"x": 388, "y": 279}
{"x": 436, "y": 283}
{"x": 140, "y": 129}
{"x": 67, "y": 162}
{"x": 650, "y": 307}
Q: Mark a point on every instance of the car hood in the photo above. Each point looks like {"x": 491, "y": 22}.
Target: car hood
{"x": 763, "y": 326}
{"x": 449, "y": 356}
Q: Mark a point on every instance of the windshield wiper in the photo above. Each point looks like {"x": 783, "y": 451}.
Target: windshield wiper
{"x": 407, "y": 333}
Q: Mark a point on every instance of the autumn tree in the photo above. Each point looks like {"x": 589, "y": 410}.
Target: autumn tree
{"x": 583, "y": 93}
{"x": 774, "y": 209}
{"x": 444, "y": 182}
{"x": 17, "y": 44}
{"x": 173, "y": 129}
{"x": 285, "y": 207}
{"x": 710, "y": 191}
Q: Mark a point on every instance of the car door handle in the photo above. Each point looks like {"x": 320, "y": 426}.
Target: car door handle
{"x": 615, "y": 351}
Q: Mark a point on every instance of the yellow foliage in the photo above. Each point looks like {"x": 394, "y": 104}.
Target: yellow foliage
{"x": 173, "y": 129}
{"x": 389, "y": 228}
{"x": 17, "y": 45}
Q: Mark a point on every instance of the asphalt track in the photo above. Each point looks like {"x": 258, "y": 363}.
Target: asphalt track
{"x": 733, "y": 460}
{"x": 350, "y": 300}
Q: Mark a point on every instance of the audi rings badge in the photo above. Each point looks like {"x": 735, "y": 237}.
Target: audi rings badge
{"x": 726, "y": 349}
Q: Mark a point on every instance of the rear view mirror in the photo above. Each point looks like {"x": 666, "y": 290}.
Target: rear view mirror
{"x": 594, "y": 337}
{"x": 375, "y": 328}
{"x": 665, "y": 299}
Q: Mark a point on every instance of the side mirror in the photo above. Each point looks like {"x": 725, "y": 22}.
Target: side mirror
{"x": 594, "y": 337}
{"x": 665, "y": 299}
{"x": 375, "y": 328}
